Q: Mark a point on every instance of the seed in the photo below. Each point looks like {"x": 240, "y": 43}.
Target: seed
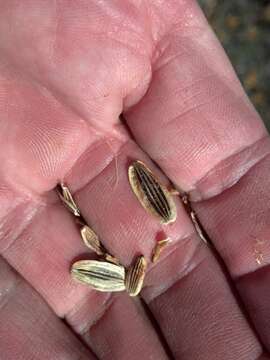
{"x": 158, "y": 248}
{"x": 66, "y": 197}
{"x": 91, "y": 240}
{"x": 198, "y": 227}
{"x": 100, "y": 275}
{"x": 135, "y": 276}
{"x": 194, "y": 218}
{"x": 153, "y": 196}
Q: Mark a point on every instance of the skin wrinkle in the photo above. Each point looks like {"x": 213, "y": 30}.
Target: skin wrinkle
{"x": 104, "y": 309}
{"x": 195, "y": 193}
{"x": 193, "y": 108}
{"x": 76, "y": 309}
{"x": 76, "y": 191}
{"x": 22, "y": 228}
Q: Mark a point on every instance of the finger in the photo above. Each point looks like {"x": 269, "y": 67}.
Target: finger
{"x": 28, "y": 328}
{"x": 238, "y": 222}
{"x": 198, "y": 125}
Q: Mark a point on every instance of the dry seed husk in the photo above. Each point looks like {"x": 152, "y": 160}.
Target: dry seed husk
{"x": 100, "y": 275}
{"x": 66, "y": 197}
{"x": 153, "y": 196}
{"x": 158, "y": 248}
{"x": 135, "y": 276}
{"x": 91, "y": 240}
{"x": 198, "y": 227}
{"x": 194, "y": 219}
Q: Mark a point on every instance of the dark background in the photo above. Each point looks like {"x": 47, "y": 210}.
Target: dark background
{"x": 243, "y": 27}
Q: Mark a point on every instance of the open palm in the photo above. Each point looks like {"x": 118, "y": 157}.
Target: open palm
{"x": 68, "y": 69}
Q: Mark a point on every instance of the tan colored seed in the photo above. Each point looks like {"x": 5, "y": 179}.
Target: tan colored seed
{"x": 135, "y": 276}
{"x": 66, "y": 197}
{"x": 91, "y": 240}
{"x": 153, "y": 196}
{"x": 100, "y": 275}
{"x": 158, "y": 248}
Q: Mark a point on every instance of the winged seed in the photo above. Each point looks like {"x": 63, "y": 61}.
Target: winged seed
{"x": 66, "y": 197}
{"x": 91, "y": 240}
{"x": 100, "y": 275}
{"x": 135, "y": 276}
{"x": 153, "y": 196}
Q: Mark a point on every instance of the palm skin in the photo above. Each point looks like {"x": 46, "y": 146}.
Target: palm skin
{"x": 68, "y": 69}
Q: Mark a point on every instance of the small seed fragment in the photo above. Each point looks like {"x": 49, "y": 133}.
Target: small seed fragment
{"x": 198, "y": 227}
{"x": 153, "y": 196}
{"x": 135, "y": 276}
{"x": 66, "y": 197}
{"x": 111, "y": 259}
{"x": 158, "y": 248}
{"x": 100, "y": 275}
{"x": 91, "y": 240}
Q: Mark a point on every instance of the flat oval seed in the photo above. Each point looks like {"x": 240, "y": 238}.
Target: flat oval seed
{"x": 135, "y": 276}
{"x": 153, "y": 196}
{"x": 100, "y": 275}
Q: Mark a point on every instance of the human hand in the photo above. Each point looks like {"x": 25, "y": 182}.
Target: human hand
{"x": 68, "y": 69}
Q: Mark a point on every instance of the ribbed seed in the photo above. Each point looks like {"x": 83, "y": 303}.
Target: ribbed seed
{"x": 66, "y": 197}
{"x": 91, "y": 240}
{"x": 135, "y": 276}
{"x": 100, "y": 275}
{"x": 158, "y": 248}
{"x": 153, "y": 196}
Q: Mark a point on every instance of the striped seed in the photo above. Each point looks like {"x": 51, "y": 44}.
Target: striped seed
{"x": 135, "y": 276}
{"x": 66, "y": 197}
{"x": 100, "y": 275}
{"x": 153, "y": 196}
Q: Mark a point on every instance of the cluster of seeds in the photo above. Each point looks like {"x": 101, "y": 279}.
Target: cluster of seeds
{"x": 107, "y": 274}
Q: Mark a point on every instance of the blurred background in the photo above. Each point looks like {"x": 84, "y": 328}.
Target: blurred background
{"x": 243, "y": 27}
